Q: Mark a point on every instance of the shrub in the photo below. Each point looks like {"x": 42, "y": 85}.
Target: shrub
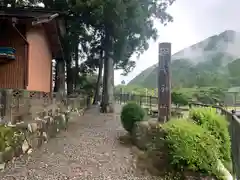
{"x": 191, "y": 147}
{"x": 131, "y": 113}
{"x": 179, "y": 99}
{"x": 9, "y": 137}
{"x": 209, "y": 119}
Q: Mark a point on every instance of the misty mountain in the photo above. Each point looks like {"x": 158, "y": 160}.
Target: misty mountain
{"x": 202, "y": 64}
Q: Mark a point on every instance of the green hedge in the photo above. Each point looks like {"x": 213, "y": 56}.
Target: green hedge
{"x": 217, "y": 125}
{"x": 9, "y": 137}
{"x": 131, "y": 113}
{"x": 191, "y": 146}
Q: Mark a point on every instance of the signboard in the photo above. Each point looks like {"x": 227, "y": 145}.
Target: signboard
{"x": 164, "y": 84}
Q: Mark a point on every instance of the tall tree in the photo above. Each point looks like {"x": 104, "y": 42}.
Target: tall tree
{"x": 126, "y": 27}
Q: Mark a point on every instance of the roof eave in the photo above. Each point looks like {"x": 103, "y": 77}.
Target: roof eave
{"x": 54, "y": 38}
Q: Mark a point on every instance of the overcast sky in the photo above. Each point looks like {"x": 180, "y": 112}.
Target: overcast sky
{"x": 194, "y": 21}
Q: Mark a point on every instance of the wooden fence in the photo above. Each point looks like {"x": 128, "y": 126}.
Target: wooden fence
{"x": 22, "y": 105}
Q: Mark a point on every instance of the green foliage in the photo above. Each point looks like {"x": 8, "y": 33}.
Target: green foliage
{"x": 217, "y": 126}
{"x": 210, "y": 95}
{"x": 131, "y": 113}
{"x": 233, "y": 68}
{"x": 191, "y": 146}
{"x": 9, "y": 137}
{"x": 204, "y": 98}
{"x": 86, "y": 83}
{"x": 179, "y": 99}
{"x": 116, "y": 24}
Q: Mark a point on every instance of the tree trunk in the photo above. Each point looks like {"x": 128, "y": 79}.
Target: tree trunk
{"x": 99, "y": 80}
{"x": 69, "y": 77}
{"x": 61, "y": 76}
{"x": 60, "y": 79}
{"x": 76, "y": 63}
{"x": 56, "y": 77}
{"x": 107, "y": 97}
{"x": 68, "y": 60}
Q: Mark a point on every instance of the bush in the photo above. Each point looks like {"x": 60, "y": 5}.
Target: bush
{"x": 179, "y": 99}
{"x": 191, "y": 147}
{"x": 131, "y": 113}
{"x": 209, "y": 119}
{"x": 9, "y": 137}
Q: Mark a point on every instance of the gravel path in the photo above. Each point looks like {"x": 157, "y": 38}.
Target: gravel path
{"x": 90, "y": 149}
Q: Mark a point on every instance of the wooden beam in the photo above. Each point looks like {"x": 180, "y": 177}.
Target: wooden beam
{"x": 41, "y": 20}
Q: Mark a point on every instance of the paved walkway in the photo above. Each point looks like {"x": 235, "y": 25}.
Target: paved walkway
{"x": 89, "y": 150}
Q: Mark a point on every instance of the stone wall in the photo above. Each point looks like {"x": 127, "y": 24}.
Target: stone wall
{"x": 29, "y": 119}
{"x": 24, "y": 137}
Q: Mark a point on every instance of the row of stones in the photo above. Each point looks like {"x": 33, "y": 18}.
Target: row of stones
{"x": 34, "y": 134}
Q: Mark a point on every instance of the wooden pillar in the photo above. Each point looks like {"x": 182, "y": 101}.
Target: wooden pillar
{"x": 164, "y": 83}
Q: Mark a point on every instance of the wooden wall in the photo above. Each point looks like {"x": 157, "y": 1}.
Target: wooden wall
{"x": 12, "y": 73}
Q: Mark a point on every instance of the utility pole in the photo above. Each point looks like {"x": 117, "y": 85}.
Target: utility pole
{"x": 164, "y": 83}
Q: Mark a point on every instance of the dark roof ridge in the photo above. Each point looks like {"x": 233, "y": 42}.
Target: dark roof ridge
{"x": 33, "y": 9}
